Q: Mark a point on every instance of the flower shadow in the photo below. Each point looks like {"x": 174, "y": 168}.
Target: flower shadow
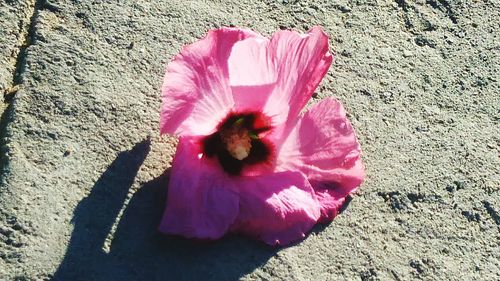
{"x": 138, "y": 251}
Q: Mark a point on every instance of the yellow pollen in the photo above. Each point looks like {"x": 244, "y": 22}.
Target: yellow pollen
{"x": 238, "y": 142}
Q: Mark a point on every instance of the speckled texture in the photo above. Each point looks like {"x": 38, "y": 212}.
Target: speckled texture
{"x": 14, "y": 25}
{"x": 85, "y": 176}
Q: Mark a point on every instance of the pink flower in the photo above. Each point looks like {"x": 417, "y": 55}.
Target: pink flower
{"x": 247, "y": 160}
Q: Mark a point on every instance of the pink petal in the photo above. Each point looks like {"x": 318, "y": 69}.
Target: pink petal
{"x": 251, "y": 63}
{"x": 251, "y": 98}
{"x": 279, "y": 75}
{"x": 324, "y": 147}
{"x": 276, "y": 208}
{"x": 302, "y": 60}
{"x": 331, "y": 195}
{"x": 252, "y": 73}
{"x": 196, "y": 93}
{"x": 201, "y": 202}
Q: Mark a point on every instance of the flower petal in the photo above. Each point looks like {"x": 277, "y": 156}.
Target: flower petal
{"x": 276, "y": 208}
{"x": 324, "y": 147}
{"x": 252, "y": 73}
{"x": 201, "y": 202}
{"x": 251, "y": 98}
{"x": 251, "y": 63}
{"x": 332, "y": 196}
{"x": 279, "y": 75}
{"x": 301, "y": 60}
{"x": 196, "y": 93}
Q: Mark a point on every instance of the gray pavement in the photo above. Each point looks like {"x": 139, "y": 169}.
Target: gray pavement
{"x": 85, "y": 172}
{"x": 15, "y": 18}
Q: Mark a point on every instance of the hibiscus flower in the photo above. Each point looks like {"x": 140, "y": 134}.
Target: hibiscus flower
{"x": 248, "y": 161}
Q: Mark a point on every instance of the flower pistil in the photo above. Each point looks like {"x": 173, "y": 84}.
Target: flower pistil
{"x": 237, "y": 143}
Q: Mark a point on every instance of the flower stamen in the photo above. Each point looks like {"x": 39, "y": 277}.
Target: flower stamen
{"x": 238, "y": 141}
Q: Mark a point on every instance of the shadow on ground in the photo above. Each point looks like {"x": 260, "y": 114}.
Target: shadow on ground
{"x": 138, "y": 251}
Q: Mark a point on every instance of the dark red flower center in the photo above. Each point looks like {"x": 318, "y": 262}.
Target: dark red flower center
{"x": 238, "y": 142}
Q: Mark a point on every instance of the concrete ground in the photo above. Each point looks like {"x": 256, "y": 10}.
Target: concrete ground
{"x": 84, "y": 171}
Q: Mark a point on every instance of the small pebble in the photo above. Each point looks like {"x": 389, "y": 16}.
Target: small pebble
{"x": 407, "y": 54}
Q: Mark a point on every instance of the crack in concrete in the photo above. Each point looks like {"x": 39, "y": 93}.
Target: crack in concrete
{"x": 22, "y": 43}
{"x": 26, "y": 36}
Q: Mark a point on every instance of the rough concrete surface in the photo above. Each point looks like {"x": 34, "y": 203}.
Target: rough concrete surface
{"x": 85, "y": 172}
{"x": 15, "y": 18}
